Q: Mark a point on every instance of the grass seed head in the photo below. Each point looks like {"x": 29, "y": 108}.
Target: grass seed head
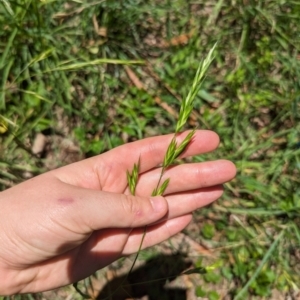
{"x": 187, "y": 104}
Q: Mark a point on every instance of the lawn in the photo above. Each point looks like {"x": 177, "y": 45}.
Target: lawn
{"x": 78, "y": 78}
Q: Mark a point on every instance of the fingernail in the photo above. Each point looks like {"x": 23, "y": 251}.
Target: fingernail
{"x": 158, "y": 203}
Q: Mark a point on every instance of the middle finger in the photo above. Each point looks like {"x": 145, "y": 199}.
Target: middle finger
{"x": 187, "y": 177}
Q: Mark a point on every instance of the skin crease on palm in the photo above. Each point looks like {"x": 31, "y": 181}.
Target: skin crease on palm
{"x": 64, "y": 225}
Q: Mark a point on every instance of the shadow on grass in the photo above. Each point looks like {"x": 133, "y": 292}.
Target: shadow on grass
{"x": 149, "y": 281}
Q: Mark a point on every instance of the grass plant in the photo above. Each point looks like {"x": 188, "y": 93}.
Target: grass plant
{"x": 62, "y": 74}
{"x": 174, "y": 150}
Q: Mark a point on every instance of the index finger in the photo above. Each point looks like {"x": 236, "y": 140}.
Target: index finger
{"x": 109, "y": 169}
{"x": 152, "y": 150}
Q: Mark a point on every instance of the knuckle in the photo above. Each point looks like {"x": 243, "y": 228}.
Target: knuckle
{"x": 132, "y": 206}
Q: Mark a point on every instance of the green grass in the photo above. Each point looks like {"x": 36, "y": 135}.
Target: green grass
{"x": 62, "y": 73}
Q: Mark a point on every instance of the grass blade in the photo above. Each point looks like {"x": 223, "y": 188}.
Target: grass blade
{"x": 240, "y": 295}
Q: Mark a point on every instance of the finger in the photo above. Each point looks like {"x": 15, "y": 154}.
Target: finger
{"x": 155, "y": 234}
{"x": 88, "y": 210}
{"x": 185, "y": 203}
{"x": 100, "y": 172}
{"x": 188, "y": 177}
{"x": 152, "y": 150}
{"x": 97, "y": 252}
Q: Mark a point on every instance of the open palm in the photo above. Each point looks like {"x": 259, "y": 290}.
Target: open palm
{"x": 62, "y": 226}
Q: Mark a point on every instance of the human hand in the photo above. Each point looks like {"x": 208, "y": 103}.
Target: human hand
{"x": 64, "y": 225}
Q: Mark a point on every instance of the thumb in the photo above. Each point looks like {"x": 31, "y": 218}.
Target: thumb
{"x": 98, "y": 209}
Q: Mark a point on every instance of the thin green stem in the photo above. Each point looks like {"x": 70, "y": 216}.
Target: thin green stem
{"x": 159, "y": 180}
{"x": 139, "y": 250}
{"x": 132, "y": 266}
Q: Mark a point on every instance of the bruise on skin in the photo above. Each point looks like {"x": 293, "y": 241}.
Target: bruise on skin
{"x": 65, "y": 201}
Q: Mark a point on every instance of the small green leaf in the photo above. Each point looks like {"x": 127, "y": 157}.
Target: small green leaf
{"x": 8, "y": 7}
{"x": 154, "y": 193}
{"x": 227, "y": 273}
{"x": 208, "y": 231}
{"x": 132, "y": 178}
{"x": 213, "y": 295}
{"x": 200, "y": 292}
{"x": 160, "y": 191}
{"x": 215, "y": 265}
{"x": 3, "y": 125}
{"x": 212, "y": 277}
{"x": 180, "y": 149}
{"x": 170, "y": 154}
